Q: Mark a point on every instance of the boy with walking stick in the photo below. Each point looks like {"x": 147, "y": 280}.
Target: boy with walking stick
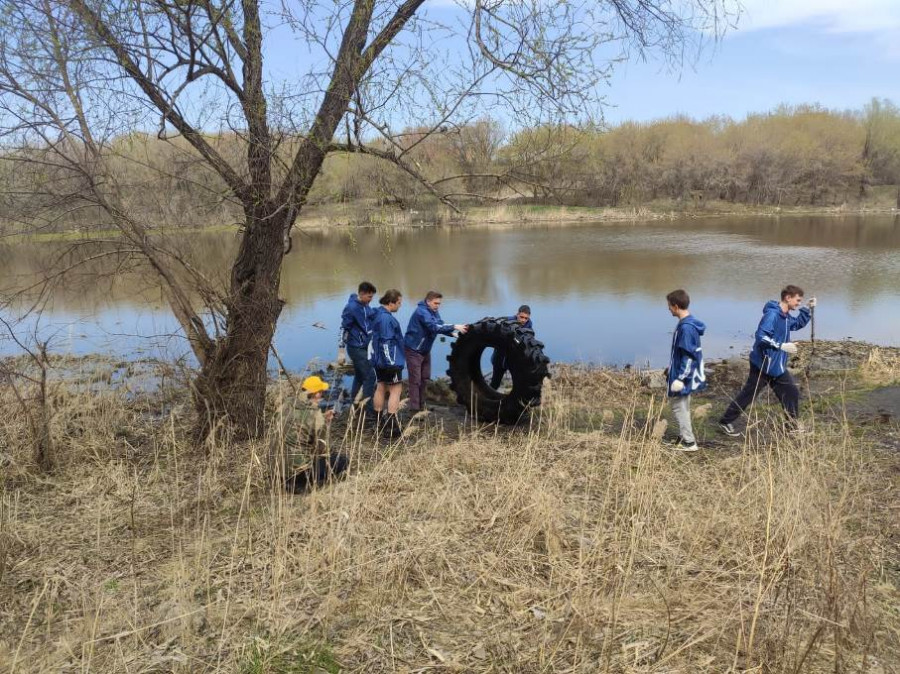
{"x": 768, "y": 359}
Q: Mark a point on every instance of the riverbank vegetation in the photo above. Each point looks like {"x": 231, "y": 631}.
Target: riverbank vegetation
{"x": 578, "y": 544}
{"x": 801, "y": 158}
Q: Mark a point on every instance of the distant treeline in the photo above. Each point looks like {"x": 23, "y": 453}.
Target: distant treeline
{"x": 792, "y": 156}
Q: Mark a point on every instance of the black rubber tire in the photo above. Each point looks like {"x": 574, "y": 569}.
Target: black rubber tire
{"x": 526, "y": 361}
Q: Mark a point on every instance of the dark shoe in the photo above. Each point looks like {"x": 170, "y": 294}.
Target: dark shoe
{"x": 319, "y": 471}
{"x": 729, "y": 430}
{"x": 391, "y": 427}
{"x": 371, "y": 421}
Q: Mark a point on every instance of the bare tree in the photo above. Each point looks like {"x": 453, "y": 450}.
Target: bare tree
{"x": 77, "y": 75}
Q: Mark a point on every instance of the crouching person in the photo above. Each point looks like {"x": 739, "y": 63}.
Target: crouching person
{"x": 686, "y": 374}
{"x": 499, "y": 363}
{"x": 304, "y": 440}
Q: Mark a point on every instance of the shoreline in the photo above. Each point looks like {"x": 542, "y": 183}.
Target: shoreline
{"x": 343, "y": 218}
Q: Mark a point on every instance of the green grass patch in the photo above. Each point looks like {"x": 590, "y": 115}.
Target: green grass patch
{"x": 298, "y": 657}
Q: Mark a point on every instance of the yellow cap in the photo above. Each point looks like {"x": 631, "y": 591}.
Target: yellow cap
{"x": 314, "y": 384}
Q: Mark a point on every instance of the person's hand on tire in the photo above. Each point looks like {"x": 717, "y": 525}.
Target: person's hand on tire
{"x": 677, "y": 386}
{"x": 789, "y": 347}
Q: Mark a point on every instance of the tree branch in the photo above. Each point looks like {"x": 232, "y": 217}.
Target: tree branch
{"x": 153, "y": 92}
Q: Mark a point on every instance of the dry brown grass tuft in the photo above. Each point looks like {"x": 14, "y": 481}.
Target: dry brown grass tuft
{"x": 568, "y": 547}
{"x": 881, "y": 366}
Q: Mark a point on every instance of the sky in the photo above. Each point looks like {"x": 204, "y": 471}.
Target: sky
{"x": 833, "y": 52}
{"x": 836, "y": 53}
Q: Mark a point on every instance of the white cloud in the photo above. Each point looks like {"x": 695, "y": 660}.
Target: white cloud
{"x": 838, "y": 16}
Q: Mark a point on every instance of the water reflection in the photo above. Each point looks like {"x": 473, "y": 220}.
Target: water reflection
{"x": 597, "y": 291}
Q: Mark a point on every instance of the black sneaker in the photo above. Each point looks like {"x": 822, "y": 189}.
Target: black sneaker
{"x": 729, "y": 430}
{"x": 391, "y": 428}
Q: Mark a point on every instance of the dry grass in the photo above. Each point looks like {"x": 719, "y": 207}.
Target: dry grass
{"x": 572, "y": 546}
{"x": 881, "y": 366}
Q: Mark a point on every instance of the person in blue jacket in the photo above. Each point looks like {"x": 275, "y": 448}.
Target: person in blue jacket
{"x": 357, "y": 321}
{"x": 768, "y": 359}
{"x": 498, "y": 358}
{"x": 686, "y": 374}
{"x": 424, "y": 326}
{"x": 386, "y": 354}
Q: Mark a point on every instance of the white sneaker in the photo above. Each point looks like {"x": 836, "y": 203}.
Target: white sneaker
{"x": 796, "y": 428}
{"x": 729, "y": 430}
{"x": 680, "y": 445}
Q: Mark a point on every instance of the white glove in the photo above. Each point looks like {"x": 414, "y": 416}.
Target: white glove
{"x": 677, "y": 386}
{"x": 342, "y": 356}
{"x": 811, "y": 303}
{"x": 789, "y": 347}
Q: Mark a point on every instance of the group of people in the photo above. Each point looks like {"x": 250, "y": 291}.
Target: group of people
{"x": 768, "y": 362}
{"x": 379, "y": 351}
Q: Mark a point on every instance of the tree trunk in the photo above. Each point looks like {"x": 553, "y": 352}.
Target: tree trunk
{"x": 231, "y": 387}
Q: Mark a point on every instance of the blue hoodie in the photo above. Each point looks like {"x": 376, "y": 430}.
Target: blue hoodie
{"x": 686, "y": 361}
{"x": 386, "y": 349}
{"x": 356, "y": 323}
{"x": 424, "y": 325}
{"x": 498, "y": 358}
{"x": 774, "y": 330}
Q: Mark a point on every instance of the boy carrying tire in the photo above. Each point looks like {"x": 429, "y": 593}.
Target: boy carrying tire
{"x": 499, "y": 362}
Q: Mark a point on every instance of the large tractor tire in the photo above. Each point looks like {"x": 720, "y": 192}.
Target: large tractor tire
{"x": 526, "y": 362}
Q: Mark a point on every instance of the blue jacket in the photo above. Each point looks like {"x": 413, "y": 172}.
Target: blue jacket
{"x": 356, "y": 323}
{"x": 424, "y": 326}
{"x": 774, "y": 330}
{"x": 686, "y": 361}
{"x": 386, "y": 348}
{"x": 498, "y": 358}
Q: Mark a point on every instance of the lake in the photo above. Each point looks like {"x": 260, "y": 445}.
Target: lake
{"x": 597, "y": 291}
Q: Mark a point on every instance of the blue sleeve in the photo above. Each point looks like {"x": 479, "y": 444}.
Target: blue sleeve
{"x": 800, "y": 320}
{"x": 432, "y": 324}
{"x": 765, "y": 333}
{"x": 346, "y": 322}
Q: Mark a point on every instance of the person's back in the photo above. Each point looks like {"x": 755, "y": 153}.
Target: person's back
{"x": 357, "y": 323}
{"x": 301, "y": 427}
{"x": 686, "y": 358}
{"x": 387, "y": 341}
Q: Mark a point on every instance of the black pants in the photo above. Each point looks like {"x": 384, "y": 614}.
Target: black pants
{"x": 497, "y": 376}
{"x": 783, "y": 386}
